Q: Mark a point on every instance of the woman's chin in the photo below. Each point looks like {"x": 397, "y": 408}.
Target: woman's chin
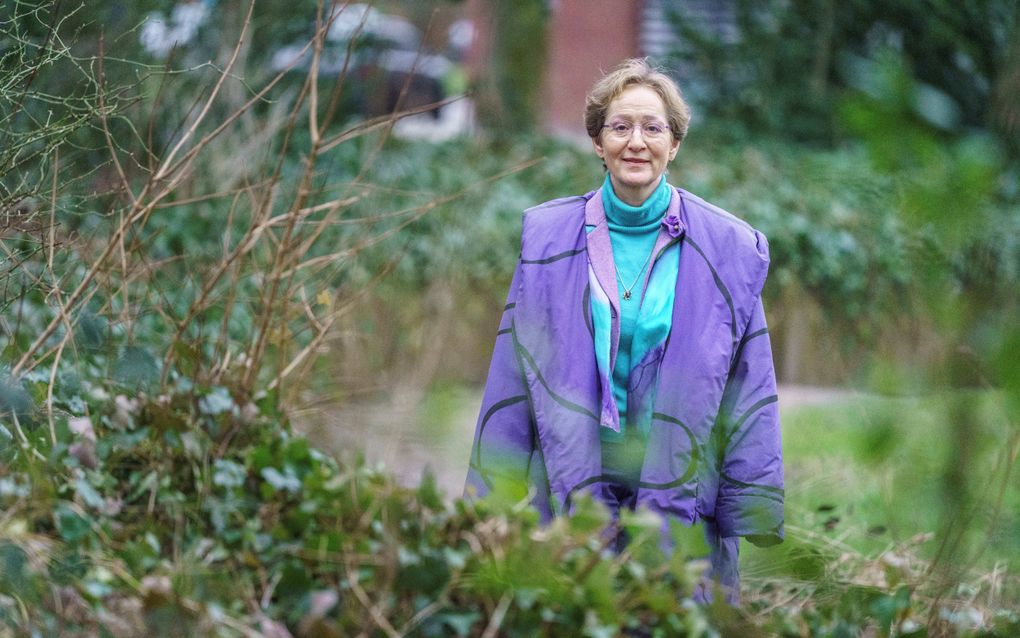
{"x": 636, "y": 180}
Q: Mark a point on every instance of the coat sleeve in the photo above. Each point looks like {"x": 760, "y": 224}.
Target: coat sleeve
{"x": 750, "y": 498}
{"x": 504, "y": 442}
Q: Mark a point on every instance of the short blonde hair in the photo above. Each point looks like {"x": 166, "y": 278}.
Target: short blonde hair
{"x": 636, "y": 72}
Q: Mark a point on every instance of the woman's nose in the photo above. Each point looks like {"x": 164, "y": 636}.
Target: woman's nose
{"x": 637, "y": 138}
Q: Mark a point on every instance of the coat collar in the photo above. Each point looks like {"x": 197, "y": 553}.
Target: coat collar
{"x": 600, "y": 253}
{"x": 600, "y": 248}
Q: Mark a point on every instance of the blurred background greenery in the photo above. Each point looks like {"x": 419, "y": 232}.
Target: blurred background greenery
{"x": 875, "y": 144}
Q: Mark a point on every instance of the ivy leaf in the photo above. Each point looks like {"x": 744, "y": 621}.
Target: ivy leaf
{"x": 70, "y": 525}
{"x": 13, "y": 563}
{"x": 461, "y": 624}
{"x": 14, "y": 400}
{"x": 228, "y": 474}
{"x": 88, "y": 494}
{"x": 281, "y": 481}
{"x": 887, "y": 608}
{"x": 217, "y": 401}
{"x": 688, "y": 541}
{"x": 136, "y": 367}
{"x": 428, "y": 492}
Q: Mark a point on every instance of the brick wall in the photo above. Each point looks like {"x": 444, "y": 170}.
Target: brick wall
{"x": 586, "y": 39}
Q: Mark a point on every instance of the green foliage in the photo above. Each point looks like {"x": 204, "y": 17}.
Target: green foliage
{"x": 866, "y": 467}
{"x": 150, "y": 485}
{"x": 510, "y": 98}
{"x": 192, "y": 508}
{"x": 469, "y": 238}
{"x": 36, "y": 122}
{"x": 823, "y": 211}
{"x": 862, "y": 503}
{"x": 821, "y": 214}
{"x": 962, "y": 52}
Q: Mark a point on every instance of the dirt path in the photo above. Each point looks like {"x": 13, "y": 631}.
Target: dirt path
{"x": 408, "y": 434}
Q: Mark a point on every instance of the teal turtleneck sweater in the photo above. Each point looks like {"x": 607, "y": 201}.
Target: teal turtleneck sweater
{"x": 632, "y": 232}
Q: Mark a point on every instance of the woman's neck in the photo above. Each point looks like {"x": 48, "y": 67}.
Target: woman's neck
{"x": 620, "y": 213}
{"x": 633, "y": 196}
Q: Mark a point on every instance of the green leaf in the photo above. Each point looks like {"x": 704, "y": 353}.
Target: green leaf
{"x": 429, "y": 494}
{"x": 589, "y": 515}
{"x": 887, "y": 608}
{"x": 688, "y": 540}
{"x": 229, "y": 474}
{"x": 216, "y": 401}
{"x": 14, "y": 575}
{"x": 285, "y": 481}
{"x": 14, "y": 400}
{"x": 460, "y": 623}
{"x": 526, "y": 597}
{"x": 136, "y": 368}
{"x": 71, "y": 527}
{"x": 454, "y": 558}
{"x": 88, "y": 494}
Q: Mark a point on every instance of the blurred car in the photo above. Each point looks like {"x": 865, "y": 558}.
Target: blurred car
{"x": 382, "y": 54}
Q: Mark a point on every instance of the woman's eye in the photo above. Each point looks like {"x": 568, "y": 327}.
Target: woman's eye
{"x": 621, "y": 128}
{"x": 654, "y": 129}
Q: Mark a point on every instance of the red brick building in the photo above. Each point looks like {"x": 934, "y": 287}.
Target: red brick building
{"x": 586, "y": 38}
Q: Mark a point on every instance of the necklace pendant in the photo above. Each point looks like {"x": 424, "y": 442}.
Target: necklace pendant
{"x": 626, "y": 295}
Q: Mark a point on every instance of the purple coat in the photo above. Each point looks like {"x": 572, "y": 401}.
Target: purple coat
{"x": 713, "y": 452}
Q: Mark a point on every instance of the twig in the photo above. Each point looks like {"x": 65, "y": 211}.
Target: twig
{"x": 49, "y": 267}
{"x": 101, "y": 95}
{"x": 205, "y": 198}
{"x": 424, "y": 614}
{"x": 84, "y": 291}
{"x": 267, "y": 593}
{"x": 373, "y": 610}
{"x": 24, "y": 440}
{"x": 371, "y": 124}
{"x": 341, "y": 80}
{"x": 497, "y": 616}
{"x": 324, "y": 329}
{"x": 166, "y": 164}
{"x": 418, "y": 213}
{"x": 313, "y": 76}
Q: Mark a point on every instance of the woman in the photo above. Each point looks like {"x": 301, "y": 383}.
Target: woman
{"x": 632, "y": 360}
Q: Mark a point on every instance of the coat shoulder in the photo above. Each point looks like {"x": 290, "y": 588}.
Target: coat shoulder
{"x": 553, "y": 227}
{"x": 714, "y": 226}
{"x": 556, "y": 212}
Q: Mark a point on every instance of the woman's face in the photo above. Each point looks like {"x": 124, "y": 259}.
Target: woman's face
{"x": 636, "y": 162}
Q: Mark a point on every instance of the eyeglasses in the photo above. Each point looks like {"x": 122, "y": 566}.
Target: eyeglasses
{"x": 622, "y": 129}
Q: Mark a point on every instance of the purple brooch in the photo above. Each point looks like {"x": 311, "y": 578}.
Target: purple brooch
{"x": 672, "y": 224}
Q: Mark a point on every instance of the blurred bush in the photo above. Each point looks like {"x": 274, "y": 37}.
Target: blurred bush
{"x": 449, "y": 229}
{"x": 197, "y": 511}
{"x": 509, "y": 93}
{"x": 150, "y": 484}
{"x": 838, "y": 240}
{"x": 785, "y": 66}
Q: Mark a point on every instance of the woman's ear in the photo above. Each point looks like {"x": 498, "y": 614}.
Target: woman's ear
{"x": 597, "y": 145}
{"x": 673, "y": 151}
